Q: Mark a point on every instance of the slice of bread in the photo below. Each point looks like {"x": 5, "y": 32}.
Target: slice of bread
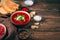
{"x": 2, "y": 11}
{"x": 8, "y": 7}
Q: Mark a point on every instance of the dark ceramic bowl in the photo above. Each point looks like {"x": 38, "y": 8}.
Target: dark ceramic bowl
{"x": 23, "y": 34}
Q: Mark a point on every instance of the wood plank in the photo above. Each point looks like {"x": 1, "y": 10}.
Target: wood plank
{"x": 45, "y": 35}
{"x": 49, "y": 28}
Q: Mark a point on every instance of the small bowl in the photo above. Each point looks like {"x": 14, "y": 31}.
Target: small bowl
{"x": 25, "y": 9}
{"x": 3, "y": 30}
{"x": 22, "y": 21}
{"x": 37, "y": 18}
{"x": 23, "y": 34}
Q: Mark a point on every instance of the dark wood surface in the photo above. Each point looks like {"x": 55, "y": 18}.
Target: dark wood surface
{"x": 49, "y": 28}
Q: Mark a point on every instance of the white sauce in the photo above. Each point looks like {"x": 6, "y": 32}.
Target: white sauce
{"x": 28, "y": 3}
{"x": 37, "y": 18}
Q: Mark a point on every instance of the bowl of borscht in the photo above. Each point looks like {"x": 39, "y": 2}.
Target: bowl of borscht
{"x": 2, "y": 31}
{"x": 20, "y": 18}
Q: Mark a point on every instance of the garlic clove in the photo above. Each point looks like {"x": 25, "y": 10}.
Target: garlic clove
{"x": 34, "y": 26}
{"x": 32, "y": 13}
{"x": 36, "y": 23}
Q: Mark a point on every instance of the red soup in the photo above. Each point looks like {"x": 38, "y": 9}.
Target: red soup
{"x": 2, "y": 31}
{"x": 20, "y": 18}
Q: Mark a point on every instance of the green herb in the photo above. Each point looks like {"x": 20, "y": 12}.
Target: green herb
{"x": 20, "y": 18}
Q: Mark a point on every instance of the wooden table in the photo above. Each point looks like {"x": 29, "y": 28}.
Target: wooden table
{"x": 49, "y": 28}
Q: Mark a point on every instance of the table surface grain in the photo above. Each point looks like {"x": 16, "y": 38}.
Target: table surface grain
{"x": 49, "y": 28}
